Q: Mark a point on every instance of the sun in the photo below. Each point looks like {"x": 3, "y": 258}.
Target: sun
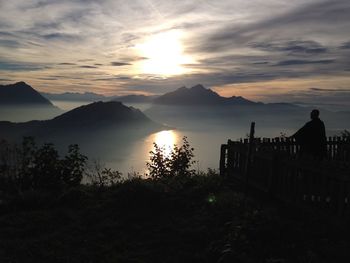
{"x": 163, "y": 54}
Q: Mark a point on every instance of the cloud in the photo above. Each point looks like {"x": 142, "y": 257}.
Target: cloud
{"x": 330, "y": 90}
{"x": 62, "y": 37}
{"x": 9, "y": 43}
{"x": 48, "y": 78}
{"x": 22, "y": 66}
{"x": 119, "y": 64}
{"x": 67, "y": 64}
{"x": 292, "y": 47}
{"x": 345, "y": 45}
{"x": 303, "y": 62}
{"x": 322, "y": 19}
{"x": 85, "y": 60}
{"x": 87, "y": 66}
{"x": 231, "y": 41}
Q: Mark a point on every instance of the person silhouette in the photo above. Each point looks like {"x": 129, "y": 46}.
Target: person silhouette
{"x": 312, "y": 138}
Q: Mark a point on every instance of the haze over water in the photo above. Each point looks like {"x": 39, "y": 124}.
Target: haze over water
{"x": 131, "y": 156}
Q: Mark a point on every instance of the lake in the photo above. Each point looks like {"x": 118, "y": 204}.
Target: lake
{"x": 131, "y": 156}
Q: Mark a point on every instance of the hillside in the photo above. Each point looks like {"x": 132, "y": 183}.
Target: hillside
{"x": 100, "y": 113}
{"x": 97, "y": 116}
{"x": 198, "y": 219}
{"x": 20, "y": 102}
{"x": 201, "y": 108}
{"x": 198, "y": 95}
{"x": 135, "y": 98}
{"x": 21, "y": 94}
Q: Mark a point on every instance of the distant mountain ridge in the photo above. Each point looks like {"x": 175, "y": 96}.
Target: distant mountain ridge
{"x": 135, "y": 98}
{"x": 22, "y": 94}
{"x": 199, "y": 95}
{"x": 91, "y": 96}
{"x": 74, "y": 96}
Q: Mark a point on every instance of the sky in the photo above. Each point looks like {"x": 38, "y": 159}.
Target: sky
{"x": 265, "y": 50}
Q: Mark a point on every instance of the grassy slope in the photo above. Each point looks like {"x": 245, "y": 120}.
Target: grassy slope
{"x": 193, "y": 220}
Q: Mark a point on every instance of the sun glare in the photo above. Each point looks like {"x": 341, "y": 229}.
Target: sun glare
{"x": 164, "y": 54}
{"x": 166, "y": 140}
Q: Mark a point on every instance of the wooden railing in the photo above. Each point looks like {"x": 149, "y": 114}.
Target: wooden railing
{"x": 275, "y": 168}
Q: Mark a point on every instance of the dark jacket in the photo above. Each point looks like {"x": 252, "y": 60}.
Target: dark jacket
{"x": 312, "y": 139}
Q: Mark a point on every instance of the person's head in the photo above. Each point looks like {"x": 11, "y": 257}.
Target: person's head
{"x": 314, "y": 114}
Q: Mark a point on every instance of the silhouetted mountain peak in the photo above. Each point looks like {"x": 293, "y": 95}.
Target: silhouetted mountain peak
{"x": 198, "y": 87}
{"x": 101, "y": 113}
{"x": 20, "y": 94}
{"x": 198, "y": 95}
{"x": 21, "y": 83}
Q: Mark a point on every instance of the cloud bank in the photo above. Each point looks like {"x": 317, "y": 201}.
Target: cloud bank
{"x": 237, "y": 45}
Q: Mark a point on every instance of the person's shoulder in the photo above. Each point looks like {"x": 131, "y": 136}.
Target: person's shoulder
{"x": 320, "y": 121}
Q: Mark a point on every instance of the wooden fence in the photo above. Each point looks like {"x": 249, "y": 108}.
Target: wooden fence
{"x": 273, "y": 166}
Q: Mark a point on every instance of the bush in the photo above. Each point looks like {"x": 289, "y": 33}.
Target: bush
{"x": 177, "y": 163}
{"x": 29, "y": 167}
{"x": 100, "y": 176}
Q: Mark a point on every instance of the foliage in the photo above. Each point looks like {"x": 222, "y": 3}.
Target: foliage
{"x": 100, "y": 176}
{"x": 30, "y": 167}
{"x": 206, "y": 220}
{"x": 177, "y": 163}
{"x": 345, "y": 134}
{"x": 159, "y": 165}
{"x": 181, "y": 159}
{"x": 73, "y": 166}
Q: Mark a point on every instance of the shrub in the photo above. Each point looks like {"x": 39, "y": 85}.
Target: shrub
{"x": 177, "y": 163}
{"x": 100, "y": 176}
{"x": 29, "y": 167}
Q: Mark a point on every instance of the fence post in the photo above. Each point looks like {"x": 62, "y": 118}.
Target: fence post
{"x": 223, "y": 158}
{"x": 249, "y": 153}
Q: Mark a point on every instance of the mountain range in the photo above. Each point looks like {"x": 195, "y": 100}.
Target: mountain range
{"x": 185, "y": 107}
{"x": 198, "y": 95}
{"x": 202, "y": 109}
{"x": 74, "y": 96}
{"x": 84, "y": 120}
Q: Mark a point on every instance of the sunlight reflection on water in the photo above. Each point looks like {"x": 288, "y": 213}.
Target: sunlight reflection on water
{"x": 166, "y": 140}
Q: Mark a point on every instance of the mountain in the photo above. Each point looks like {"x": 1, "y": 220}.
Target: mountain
{"x": 91, "y": 119}
{"x": 20, "y": 102}
{"x": 198, "y": 95}
{"x": 100, "y": 114}
{"x": 75, "y": 96}
{"x": 198, "y": 108}
{"x": 21, "y": 93}
{"x": 91, "y": 96}
{"x": 135, "y": 98}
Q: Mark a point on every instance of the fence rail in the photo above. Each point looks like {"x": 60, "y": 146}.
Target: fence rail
{"x": 275, "y": 168}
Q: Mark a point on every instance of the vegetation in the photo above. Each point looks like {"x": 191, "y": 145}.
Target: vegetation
{"x": 176, "y": 163}
{"x": 345, "y": 134}
{"x": 174, "y": 215}
{"x": 30, "y": 167}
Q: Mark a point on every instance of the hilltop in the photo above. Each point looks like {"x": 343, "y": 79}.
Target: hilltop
{"x": 20, "y": 102}
{"x": 97, "y": 116}
{"x": 21, "y": 93}
{"x": 199, "y": 95}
